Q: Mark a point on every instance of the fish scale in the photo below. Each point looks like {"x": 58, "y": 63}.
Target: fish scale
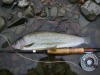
{"x": 45, "y": 40}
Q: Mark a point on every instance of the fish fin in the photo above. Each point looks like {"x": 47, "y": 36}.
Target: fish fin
{"x": 90, "y": 40}
{"x": 53, "y": 48}
{"x": 87, "y": 40}
{"x": 28, "y": 45}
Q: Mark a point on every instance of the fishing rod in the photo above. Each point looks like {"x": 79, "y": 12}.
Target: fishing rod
{"x": 56, "y": 51}
{"x": 88, "y": 61}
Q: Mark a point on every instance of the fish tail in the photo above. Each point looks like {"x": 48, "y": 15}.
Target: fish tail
{"x": 90, "y": 41}
{"x": 87, "y": 40}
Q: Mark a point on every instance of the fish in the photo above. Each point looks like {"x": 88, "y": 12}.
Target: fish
{"x": 48, "y": 40}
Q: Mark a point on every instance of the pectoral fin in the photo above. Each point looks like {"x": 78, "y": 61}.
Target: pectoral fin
{"x": 29, "y": 45}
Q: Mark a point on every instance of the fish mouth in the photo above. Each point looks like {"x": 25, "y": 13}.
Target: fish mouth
{"x": 19, "y": 44}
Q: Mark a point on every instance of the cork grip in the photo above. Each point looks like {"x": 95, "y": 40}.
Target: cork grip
{"x": 67, "y": 51}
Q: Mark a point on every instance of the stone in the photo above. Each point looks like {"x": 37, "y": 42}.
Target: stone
{"x": 20, "y": 14}
{"x": 53, "y": 11}
{"x": 29, "y": 12}
{"x": 8, "y": 1}
{"x": 43, "y": 14}
{"x": 61, "y": 12}
{"x": 23, "y": 3}
{"x": 18, "y": 29}
{"x": 90, "y": 10}
{"x": 10, "y": 16}
{"x": 2, "y": 23}
{"x": 97, "y": 1}
{"x": 83, "y": 22}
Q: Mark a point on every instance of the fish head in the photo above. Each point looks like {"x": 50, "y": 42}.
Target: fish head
{"x": 19, "y": 44}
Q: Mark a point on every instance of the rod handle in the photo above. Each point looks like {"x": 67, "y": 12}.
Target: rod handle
{"x": 67, "y": 51}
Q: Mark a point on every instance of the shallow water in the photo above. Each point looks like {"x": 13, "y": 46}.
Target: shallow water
{"x": 20, "y": 66}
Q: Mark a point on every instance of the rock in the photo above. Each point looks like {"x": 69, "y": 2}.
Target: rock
{"x": 83, "y": 22}
{"x": 61, "y": 12}
{"x": 38, "y": 11}
{"x": 2, "y": 23}
{"x": 20, "y": 14}
{"x": 10, "y": 16}
{"x": 47, "y": 10}
{"x": 8, "y": 1}
{"x": 90, "y": 10}
{"x": 43, "y": 14}
{"x": 53, "y": 11}
{"x": 18, "y": 29}
{"x": 29, "y": 12}
{"x": 23, "y": 3}
{"x": 97, "y": 1}
{"x": 72, "y": 1}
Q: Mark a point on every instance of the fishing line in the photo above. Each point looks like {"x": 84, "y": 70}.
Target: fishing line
{"x": 38, "y": 61}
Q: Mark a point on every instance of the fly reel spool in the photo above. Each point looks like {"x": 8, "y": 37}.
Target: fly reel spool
{"x": 89, "y": 62}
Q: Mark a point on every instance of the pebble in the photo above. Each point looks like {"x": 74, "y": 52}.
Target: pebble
{"x": 29, "y": 12}
{"x": 8, "y": 1}
{"x": 23, "y": 3}
{"x": 61, "y": 12}
{"x": 83, "y": 22}
{"x": 90, "y": 10}
{"x": 10, "y": 16}
{"x": 20, "y": 14}
{"x": 18, "y": 29}
{"x": 53, "y": 11}
{"x": 2, "y": 23}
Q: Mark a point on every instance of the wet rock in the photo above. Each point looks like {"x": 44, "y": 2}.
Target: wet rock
{"x": 20, "y": 14}
{"x": 10, "y": 16}
{"x": 53, "y": 11}
{"x": 90, "y": 10}
{"x": 47, "y": 10}
{"x": 23, "y": 3}
{"x": 83, "y": 22}
{"x": 8, "y": 1}
{"x": 43, "y": 14}
{"x": 29, "y": 12}
{"x": 18, "y": 29}
{"x": 61, "y": 12}
{"x": 97, "y": 1}
{"x": 38, "y": 11}
{"x": 2, "y": 23}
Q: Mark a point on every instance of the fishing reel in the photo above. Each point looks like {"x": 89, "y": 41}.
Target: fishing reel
{"x": 89, "y": 62}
